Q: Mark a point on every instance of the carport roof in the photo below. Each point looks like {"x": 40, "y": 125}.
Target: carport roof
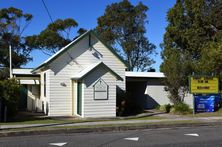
{"x": 131, "y": 74}
{"x": 23, "y": 71}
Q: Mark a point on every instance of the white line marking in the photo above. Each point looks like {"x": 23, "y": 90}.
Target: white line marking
{"x": 194, "y": 134}
{"x": 132, "y": 139}
{"x": 58, "y": 144}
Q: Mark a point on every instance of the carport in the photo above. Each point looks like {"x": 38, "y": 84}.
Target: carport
{"x": 30, "y": 90}
{"x": 146, "y": 89}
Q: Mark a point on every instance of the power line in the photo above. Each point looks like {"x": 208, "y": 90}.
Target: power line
{"x": 47, "y": 10}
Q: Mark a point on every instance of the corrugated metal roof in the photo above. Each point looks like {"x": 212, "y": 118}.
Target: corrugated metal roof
{"x": 144, "y": 74}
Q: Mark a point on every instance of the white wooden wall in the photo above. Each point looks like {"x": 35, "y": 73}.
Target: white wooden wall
{"x": 155, "y": 89}
{"x": 70, "y": 63}
{"x": 99, "y": 108}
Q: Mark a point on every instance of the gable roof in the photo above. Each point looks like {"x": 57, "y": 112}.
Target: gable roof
{"x": 64, "y": 49}
{"x": 91, "y": 68}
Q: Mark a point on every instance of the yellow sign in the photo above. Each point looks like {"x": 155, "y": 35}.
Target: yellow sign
{"x": 204, "y": 85}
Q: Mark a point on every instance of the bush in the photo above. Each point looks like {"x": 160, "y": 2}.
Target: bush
{"x": 181, "y": 108}
{"x": 10, "y": 93}
{"x": 165, "y": 108}
{"x": 157, "y": 107}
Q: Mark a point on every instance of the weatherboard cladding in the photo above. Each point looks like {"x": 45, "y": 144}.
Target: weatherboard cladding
{"x": 71, "y": 62}
{"x": 111, "y": 61}
{"x": 99, "y": 108}
{"x": 156, "y": 90}
{"x": 64, "y": 49}
{"x": 42, "y": 97}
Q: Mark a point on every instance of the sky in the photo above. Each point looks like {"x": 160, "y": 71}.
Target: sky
{"x": 86, "y": 12}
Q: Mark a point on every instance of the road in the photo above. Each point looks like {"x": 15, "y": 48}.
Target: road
{"x": 199, "y": 136}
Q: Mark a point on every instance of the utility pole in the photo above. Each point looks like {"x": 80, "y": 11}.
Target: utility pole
{"x": 10, "y": 61}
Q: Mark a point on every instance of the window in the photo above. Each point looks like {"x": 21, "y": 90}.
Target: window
{"x": 44, "y": 84}
{"x": 101, "y": 90}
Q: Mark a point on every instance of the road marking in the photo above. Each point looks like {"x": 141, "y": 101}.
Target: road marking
{"x": 194, "y": 134}
{"x": 58, "y": 144}
{"x": 132, "y": 138}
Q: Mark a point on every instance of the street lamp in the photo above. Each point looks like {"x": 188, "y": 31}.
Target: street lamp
{"x": 10, "y": 61}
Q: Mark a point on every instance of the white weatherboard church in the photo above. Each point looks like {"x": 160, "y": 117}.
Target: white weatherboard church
{"x": 79, "y": 80}
{"x": 82, "y": 80}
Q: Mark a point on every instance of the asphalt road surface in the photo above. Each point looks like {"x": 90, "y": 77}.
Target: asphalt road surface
{"x": 199, "y": 136}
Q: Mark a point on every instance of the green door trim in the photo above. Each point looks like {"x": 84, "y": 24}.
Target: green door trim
{"x": 79, "y": 98}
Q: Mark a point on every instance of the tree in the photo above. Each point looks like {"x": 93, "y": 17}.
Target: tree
{"x": 55, "y": 36}
{"x": 192, "y": 25}
{"x": 9, "y": 94}
{"x": 211, "y": 58}
{"x": 123, "y": 25}
{"x": 13, "y": 23}
{"x": 81, "y": 31}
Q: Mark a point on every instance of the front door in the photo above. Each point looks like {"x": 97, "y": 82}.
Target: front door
{"x": 23, "y": 98}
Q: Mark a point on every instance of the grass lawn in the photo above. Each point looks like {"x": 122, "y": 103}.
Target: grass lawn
{"x": 40, "y": 121}
{"x": 33, "y": 118}
{"x": 148, "y": 118}
{"x": 49, "y": 128}
{"x": 207, "y": 114}
{"x": 30, "y": 119}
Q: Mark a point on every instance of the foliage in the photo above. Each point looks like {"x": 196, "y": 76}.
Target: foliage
{"x": 123, "y": 25}
{"x": 4, "y": 73}
{"x": 10, "y": 94}
{"x": 211, "y": 58}
{"x": 176, "y": 70}
{"x": 54, "y": 37}
{"x": 81, "y": 31}
{"x": 192, "y": 25}
{"x": 165, "y": 108}
{"x": 13, "y": 23}
{"x": 181, "y": 108}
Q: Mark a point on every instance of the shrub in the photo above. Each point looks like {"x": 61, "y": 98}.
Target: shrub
{"x": 181, "y": 108}
{"x": 157, "y": 107}
{"x": 165, "y": 108}
{"x": 10, "y": 93}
